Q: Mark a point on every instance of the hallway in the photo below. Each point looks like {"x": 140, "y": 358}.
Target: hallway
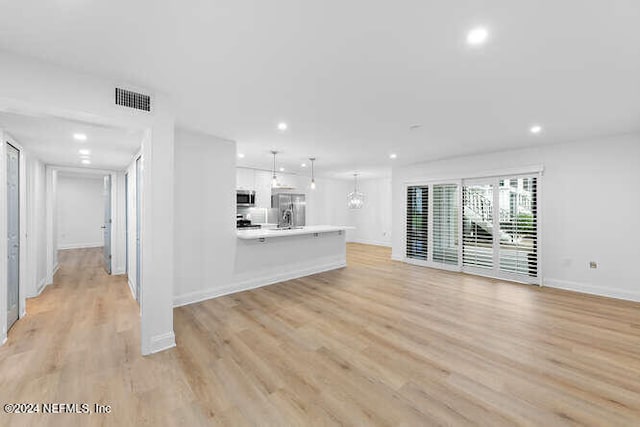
{"x": 80, "y": 343}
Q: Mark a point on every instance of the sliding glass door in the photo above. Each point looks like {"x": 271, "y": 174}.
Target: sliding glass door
{"x": 496, "y": 218}
{"x": 417, "y": 222}
{"x": 477, "y": 225}
{"x": 445, "y": 224}
{"x": 518, "y": 251}
{"x": 432, "y": 233}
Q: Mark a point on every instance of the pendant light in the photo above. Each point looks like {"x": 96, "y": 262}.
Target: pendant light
{"x": 355, "y": 199}
{"x": 274, "y": 178}
{"x": 313, "y": 177}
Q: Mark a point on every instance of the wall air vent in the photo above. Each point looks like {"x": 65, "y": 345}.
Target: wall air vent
{"x": 131, "y": 99}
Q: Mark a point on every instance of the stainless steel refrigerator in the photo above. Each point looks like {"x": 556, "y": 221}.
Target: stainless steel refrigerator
{"x": 289, "y": 208}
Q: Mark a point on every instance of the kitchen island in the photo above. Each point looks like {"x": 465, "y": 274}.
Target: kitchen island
{"x": 266, "y": 256}
{"x": 253, "y": 234}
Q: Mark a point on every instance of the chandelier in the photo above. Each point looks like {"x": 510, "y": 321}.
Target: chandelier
{"x": 355, "y": 199}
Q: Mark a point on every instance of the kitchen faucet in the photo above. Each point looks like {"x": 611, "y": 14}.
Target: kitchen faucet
{"x": 287, "y": 215}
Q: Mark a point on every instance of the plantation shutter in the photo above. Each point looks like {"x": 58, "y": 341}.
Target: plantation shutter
{"x": 477, "y": 225}
{"x": 417, "y": 222}
{"x": 519, "y": 226}
{"x": 445, "y": 224}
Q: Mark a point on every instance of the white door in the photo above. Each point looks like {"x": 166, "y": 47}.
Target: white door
{"x": 106, "y": 228}
{"x": 138, "y": 226}
{"x": 13, "y": 233}
{"x": 500, "y": 228}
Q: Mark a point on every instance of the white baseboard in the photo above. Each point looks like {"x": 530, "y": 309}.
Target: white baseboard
{"x": 132, "y": 288}
{"x": 80, "y": 245}
{"x": 593, "y": 290}
{"x": 371, "y": 242}
{"x": 49, "y": 279}
{"x": 197, "y": 296}
{"x": 161, "y": 342}
{"x": 39, "y": 288}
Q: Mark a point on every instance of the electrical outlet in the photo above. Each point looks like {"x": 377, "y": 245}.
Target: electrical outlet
{"x": 593, "y": 264}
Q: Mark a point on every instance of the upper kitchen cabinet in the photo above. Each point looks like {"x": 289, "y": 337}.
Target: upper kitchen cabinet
{"x": 263, "y": 189}
{"x": 290, "y": 181}
{"x": 245, "y": 179}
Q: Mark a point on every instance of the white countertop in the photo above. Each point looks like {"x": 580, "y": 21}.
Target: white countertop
{"x": 311, "y": 229}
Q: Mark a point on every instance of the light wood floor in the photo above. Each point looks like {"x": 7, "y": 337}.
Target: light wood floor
{"x": 376, "y": 343}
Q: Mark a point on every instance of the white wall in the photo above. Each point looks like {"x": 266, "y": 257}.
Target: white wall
{"x": 80, "y": 205}
{"x": 36, "y": 226}
{"x": 373, "y": 221}
{"x": 205, "y": 208}
{"x": 589, "y": 206}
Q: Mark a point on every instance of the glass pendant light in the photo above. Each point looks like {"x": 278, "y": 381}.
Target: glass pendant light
{"x": 313, "y": 178}
{"x": 274, "y": 179}
{"x": 355, "y": 199}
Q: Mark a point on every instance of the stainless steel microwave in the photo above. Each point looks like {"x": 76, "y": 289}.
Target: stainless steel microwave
{"x": 246, "y": 198}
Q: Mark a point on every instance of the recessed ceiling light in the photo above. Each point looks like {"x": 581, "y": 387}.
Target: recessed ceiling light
{"x": 281, "y": 169}
{"x": 79, "y": 136}
{"x": 477, "y": 36}
{"x": 84, "y": 152}
{"x": 86, "y": 161}
{"x": 241, "y": 155}
{"x": 282, "y": 126}
{"x": 393, "y": 155}
{"x": 304, "y": 165}
{"x": 535, "y": 129}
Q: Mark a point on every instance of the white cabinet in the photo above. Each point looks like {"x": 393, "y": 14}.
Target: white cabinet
{"x": 245, "y": 179}
{"x": 260, "y": 182}
{"x": 263, "y": 189}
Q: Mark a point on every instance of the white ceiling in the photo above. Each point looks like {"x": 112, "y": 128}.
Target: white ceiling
{"x": 51, "y": 140}
{"x": 349, "y": 77}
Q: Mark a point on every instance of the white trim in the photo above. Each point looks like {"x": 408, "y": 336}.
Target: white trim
{"x": 80, "y": 246}
{"x": 431, "y": 264}
{"x": 3, "y": 338}
{"x": 132, "y": 288}
{"x": 162, "y": 342}
{"x": 586, "y": 288}
{"x": 39, "y": 288}
{"x": 370, "y": 242}
{"x": 197, "y": 296}
{"x": 53, "y": 273}
{"x": 511, "y": 172}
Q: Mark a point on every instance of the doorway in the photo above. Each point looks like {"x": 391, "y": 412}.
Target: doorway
{"x": 126, "y": 223}
{"x": 138, "y": 228}
{"x": 13, "y": 234}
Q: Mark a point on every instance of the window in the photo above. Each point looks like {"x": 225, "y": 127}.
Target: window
{"x": 519, "y": 226}
{"x": 445, "y": 224}
{"x": 417, "y": 222}
{"x": 477, "y": 225}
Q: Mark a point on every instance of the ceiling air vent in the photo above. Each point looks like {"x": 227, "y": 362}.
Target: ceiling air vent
{"x": 131, "y": 99}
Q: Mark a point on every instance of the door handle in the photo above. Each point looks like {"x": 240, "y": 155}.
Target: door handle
{"x": 103, "y": 227}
